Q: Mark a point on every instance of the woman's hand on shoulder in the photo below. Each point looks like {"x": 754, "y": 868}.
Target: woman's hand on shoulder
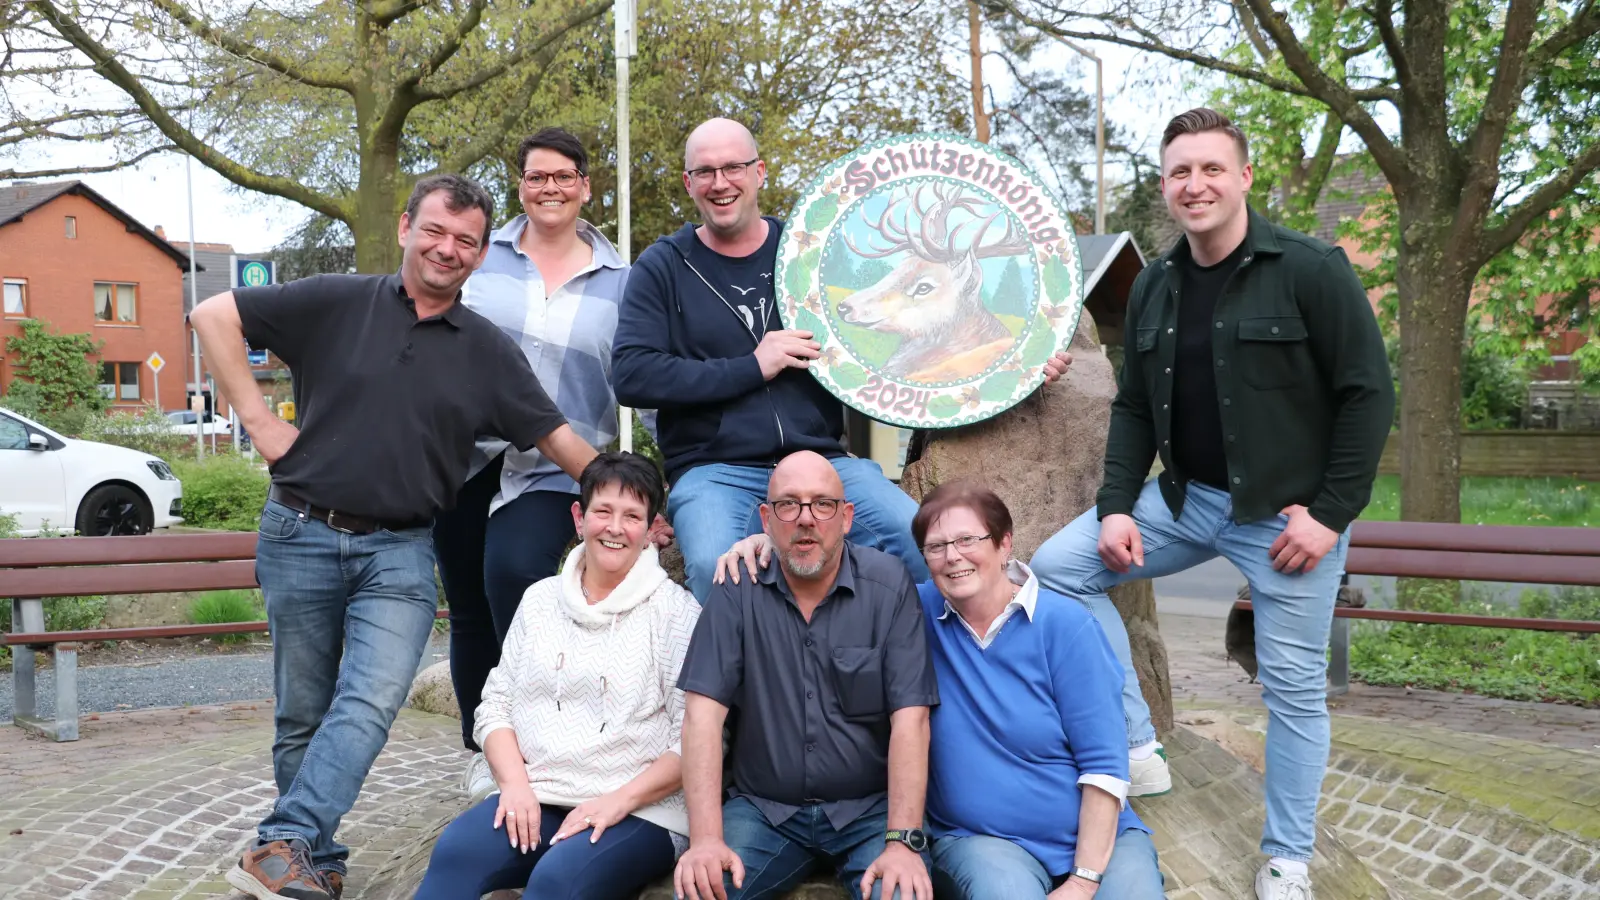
{"x": 756, "y": 553}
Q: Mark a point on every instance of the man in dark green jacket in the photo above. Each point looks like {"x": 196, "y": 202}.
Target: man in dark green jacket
{"x": 1255, "y": 370}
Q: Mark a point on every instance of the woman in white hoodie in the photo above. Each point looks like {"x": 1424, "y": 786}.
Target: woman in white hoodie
{"x": 582, "y": 718}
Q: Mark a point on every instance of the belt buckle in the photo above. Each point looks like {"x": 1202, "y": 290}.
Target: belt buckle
{"x": 332, "y": 514}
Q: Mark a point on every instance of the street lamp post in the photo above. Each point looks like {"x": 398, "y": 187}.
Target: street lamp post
{"x": 1099, "y": 135}
{"x": 626, "y": 46}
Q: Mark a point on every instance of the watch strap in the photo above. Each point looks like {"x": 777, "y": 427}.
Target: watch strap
{"x": 1086, "y": 874}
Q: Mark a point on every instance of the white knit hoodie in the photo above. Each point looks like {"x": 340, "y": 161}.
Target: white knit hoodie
{"x": 591, "y": 691}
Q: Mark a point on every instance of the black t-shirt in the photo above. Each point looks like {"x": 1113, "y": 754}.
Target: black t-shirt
{"x": 744, "y": 281}
{"x": 389, "y": 406}
{"x": 1197, "y": 448}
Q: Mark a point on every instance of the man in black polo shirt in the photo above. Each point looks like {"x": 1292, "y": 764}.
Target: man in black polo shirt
{"x": 826, "y": 660}
{"x": 393, "y": 379}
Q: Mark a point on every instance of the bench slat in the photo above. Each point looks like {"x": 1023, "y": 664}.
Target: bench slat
{"x": 1544, "y": 540}
{"x": 1575, "y": 626}
{"x": 27, "y": 553}
{"x": 1472, "y": 566}
{"x": 139, "y": 579}
{"x": 142, "y": 633}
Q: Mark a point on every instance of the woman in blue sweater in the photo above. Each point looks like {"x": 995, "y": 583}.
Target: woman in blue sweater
{"x": 1028, "y": 764}
{"x": 1028, "y": 759}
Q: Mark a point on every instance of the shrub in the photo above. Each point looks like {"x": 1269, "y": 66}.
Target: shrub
{"x": 56, "y": 382}
{"x": 148, "y": 431}
{"x": 224, "y": 491}
{"x": 218, "y": 607}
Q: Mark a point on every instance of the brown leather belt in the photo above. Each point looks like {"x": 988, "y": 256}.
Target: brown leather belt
{"x": 349, "y": 523}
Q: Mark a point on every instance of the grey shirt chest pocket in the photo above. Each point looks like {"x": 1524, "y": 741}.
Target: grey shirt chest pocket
{"x": 858, "y": 677}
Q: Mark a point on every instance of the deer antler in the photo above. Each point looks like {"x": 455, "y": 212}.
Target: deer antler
{"x": 1010, "y": 243}
{"x": 898, "y": 238}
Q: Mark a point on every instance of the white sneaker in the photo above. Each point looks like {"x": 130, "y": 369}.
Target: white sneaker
{"x": 1274, "y": 885}
{"x": 477, "y": 782}
{"x": 1150, "y": 777}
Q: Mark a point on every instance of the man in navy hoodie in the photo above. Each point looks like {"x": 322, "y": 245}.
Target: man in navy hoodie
{"x": 699, "y": 339}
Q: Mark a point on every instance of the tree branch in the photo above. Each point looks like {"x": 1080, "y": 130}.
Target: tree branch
{"x": 251, "y": 52}
{"x": 445, "y": 92}
{"x": 1337, "y": 95}
{"x": 442, "y": 53}
{"x": 1382, "y": 14}
{"x": 1582, "y": 26}
{"x": 1316, "y": 172}
{"x": 1539, "y": 203}
{"x": 114, "y": 72}
{"x": 385, "y": 14}
{"x": 1252, "y": 31}
{"x": 1483, "y": 148}
{"x": 87, "y": 170}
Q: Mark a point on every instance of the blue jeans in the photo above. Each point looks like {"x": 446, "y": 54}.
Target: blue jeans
{"x": 991, "y": 868}
{"x": 714, "y": 505}
{"x": 1293, "y": 613}
{"x": 350, "y": 615}
{"x": 778, "y": 857}
{"x": 472, "y": 858}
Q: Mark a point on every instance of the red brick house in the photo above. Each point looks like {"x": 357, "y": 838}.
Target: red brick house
{"x": 70, "y": 257}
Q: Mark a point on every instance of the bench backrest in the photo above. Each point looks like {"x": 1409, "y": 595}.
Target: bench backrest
{"x": 84, "y": 566}
{"x": 1533, "y": 554}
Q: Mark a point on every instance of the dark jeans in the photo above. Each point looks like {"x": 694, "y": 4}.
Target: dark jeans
{"x": 486, "y": 563}
{"x": 472, "y": 858}
{"x": 778, "y": 857}
{"x": 350, "y": 615}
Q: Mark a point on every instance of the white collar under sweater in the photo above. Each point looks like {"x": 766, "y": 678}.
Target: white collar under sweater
{"x": 636, "y": 587}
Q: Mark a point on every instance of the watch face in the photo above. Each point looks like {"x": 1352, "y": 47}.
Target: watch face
{"x": 917, "y": 839}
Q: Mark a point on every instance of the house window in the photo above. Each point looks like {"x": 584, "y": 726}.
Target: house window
{"x": 16, "y": 294}
{"x": 115, "y": 303}
{"x": 120, "y": 380}
{"x": 72, "y": 227}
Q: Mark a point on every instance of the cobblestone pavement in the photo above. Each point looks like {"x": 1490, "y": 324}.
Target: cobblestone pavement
{"x": 157, "y": 803}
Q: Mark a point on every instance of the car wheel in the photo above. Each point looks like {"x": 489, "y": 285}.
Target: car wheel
{"x": 114, "y": 509}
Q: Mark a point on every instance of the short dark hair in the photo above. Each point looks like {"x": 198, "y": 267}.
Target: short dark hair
{"x": 633, "y": 473}
{"x": 460, "y": 193}
{"x": 561, "y": 141}
{"x": 1200, "y": 120}
{"x": 984, "y": 503}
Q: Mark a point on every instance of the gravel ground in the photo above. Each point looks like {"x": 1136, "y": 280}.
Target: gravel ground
{"x": 179, "y": 682}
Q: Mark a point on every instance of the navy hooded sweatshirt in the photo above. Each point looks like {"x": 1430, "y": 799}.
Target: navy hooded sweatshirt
{"x": 686, "y": 338}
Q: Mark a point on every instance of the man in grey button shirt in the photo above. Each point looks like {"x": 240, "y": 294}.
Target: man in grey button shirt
{"x": 826, "y": 660}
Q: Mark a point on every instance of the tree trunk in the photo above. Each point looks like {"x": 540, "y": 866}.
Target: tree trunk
{"x": 377, "y": 211}
{"x": 1433, "y": 307}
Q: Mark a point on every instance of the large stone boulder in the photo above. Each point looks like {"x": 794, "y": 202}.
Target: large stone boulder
{"x": 432, "y": 692}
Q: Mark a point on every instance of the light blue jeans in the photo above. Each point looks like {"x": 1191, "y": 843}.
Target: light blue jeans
{"x": 990, "y": 868}
{"x": 1293, "y": 613}
{"x": 714, "y": 505}
{"x": 350, "y": 615}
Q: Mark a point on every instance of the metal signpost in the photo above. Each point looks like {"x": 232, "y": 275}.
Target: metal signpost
{"x": 626, "y": 48}
{"x": 248, "y": 273}
{"x": 155, "y": 362}
{"x": 938, "y": 274}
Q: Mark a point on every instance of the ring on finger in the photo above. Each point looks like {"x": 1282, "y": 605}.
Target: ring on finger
{"x": 511, "y": 814}
{"x": 588, "y": 820}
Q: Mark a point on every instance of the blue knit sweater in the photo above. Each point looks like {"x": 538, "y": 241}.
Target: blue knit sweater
{"x": 1018, "y": 723}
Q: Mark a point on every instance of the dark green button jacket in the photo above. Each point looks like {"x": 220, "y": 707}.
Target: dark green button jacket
{"x": 1303, "y": 382}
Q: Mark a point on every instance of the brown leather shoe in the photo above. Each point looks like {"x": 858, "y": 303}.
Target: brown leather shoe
{"x": 280, "y": 870}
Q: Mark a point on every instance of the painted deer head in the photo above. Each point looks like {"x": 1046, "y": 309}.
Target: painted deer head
{"x": 933, "y": 298}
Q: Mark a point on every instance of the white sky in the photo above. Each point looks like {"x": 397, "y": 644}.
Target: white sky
{"x": 1141, "y": 95}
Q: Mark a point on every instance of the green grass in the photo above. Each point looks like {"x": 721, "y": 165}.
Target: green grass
{"x": 1513, "y": 664}
{"x": 217, "y": 607}
{"x": 1505, "y": 501}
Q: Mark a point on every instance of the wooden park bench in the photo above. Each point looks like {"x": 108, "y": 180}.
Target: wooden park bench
{"x": 1505, "y": 553}
{"x": 31, "y": 569}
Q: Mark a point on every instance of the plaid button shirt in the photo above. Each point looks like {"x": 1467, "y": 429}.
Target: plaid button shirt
{"x": 567, "y": 338}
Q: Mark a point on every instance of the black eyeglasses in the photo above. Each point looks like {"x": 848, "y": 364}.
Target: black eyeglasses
{"x": 822, "y": 508}
{"x": 732, "y": 171}
{"x": 935, "y": 549}
{"x": 562, "y": 177}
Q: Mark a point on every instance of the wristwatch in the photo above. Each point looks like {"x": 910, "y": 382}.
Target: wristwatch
{"x": 1086, "y": 874}
{"x": 915, "y": 838}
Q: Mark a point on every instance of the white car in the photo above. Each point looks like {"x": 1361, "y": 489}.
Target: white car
{"x": 55, "y": 482}
{"x": 183, "y": 422}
